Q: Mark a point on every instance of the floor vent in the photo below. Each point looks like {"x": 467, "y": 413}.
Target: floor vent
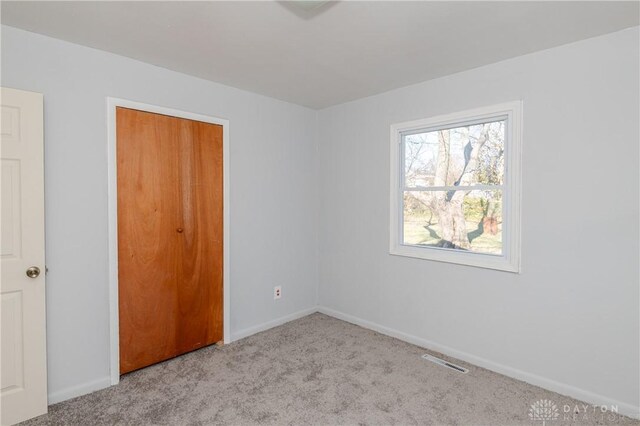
{"x": 445, "y": 363}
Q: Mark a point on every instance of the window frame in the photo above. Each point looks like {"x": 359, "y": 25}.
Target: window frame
{"x": 509, "y": 261}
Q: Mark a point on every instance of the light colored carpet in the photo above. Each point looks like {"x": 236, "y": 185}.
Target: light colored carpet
{"x": 315, "y": 370}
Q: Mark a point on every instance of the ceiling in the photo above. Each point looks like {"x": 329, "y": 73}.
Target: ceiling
{"x": 321, "y": 57}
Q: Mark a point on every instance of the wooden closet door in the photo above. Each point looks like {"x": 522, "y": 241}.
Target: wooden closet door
{"x": 148, "y": 250}
{"x": 169, "y": 236}
{"x": 200, "y": 268}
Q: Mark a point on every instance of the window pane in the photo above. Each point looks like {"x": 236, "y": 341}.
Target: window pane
{"x": 467, "y": 155}
{"x": 421, "y": 159}
{"x": 461, "y": 220}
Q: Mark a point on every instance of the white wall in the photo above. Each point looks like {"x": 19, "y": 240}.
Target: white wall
{"x": 570, "y": 320}
{"x": 273, "y": 193}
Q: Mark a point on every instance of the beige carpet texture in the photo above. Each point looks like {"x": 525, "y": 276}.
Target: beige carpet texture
{"x": 319, "y": 370}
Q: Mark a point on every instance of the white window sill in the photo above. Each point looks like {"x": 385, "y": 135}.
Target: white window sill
{"x": 479, "y": 260}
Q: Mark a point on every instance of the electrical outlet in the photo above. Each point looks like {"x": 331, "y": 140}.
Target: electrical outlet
{"x": 277, "y": 292}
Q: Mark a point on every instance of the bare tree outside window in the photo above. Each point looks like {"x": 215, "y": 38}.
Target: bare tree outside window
{"x": 453, "y": 187}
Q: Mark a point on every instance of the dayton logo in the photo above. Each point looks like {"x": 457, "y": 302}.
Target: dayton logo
{"x": 543, "y": 410}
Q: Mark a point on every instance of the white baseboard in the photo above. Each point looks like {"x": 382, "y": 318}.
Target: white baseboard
{"x": 75, "y": 391}
{"x": 543, "y": 382}
{"x": 241, "y": 334}
{"x": 105, "y": 382}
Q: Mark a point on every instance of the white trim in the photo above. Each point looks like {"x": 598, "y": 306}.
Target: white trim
{"x": 543, "y": 382}
{"x": 105, "y": 382}
{"x": 510, "y": 259}
{"x": 241, "y": 334}
{"x": 453, "y": 188}
{"x": 112, "y": 103}
{"x": 79, "y": 390}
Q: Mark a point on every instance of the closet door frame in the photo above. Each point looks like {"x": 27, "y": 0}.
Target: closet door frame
{"x": 114, "y": 321}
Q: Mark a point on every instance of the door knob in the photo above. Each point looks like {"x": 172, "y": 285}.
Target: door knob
{"x": 179, "y": 230}
{"x": 33, "y": 272}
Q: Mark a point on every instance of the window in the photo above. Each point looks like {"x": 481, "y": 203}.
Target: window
{"x": 455, "y": 188}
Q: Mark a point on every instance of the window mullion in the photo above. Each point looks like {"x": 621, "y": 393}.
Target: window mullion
{"x": 454, "y": 188}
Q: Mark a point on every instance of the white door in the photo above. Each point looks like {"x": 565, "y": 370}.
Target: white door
{"x": 23, "y": 377}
